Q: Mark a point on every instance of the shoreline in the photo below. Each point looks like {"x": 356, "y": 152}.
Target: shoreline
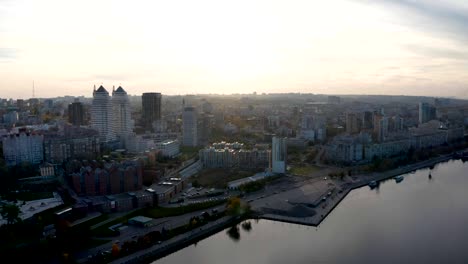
{"x": 184, "y": 240}
{"x": 380, "y": 176}
{"x": 177, "y": 243}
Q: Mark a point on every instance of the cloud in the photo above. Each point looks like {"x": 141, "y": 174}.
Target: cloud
{"x": 444, "y": 18}
{"x": 8, "y": 54}
{"x": 439, "y": 53}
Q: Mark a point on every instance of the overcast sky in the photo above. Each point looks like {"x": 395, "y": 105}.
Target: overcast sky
{"x": 179, "y": 47}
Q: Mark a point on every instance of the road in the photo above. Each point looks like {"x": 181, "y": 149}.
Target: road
{"x": 132, "y": 232}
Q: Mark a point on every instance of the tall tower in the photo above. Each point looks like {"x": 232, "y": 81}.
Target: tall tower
{"x": 102, "y": 116}
{"x": 278, "y": 155}
{"x": 189, "y": 127}
{"x": 76, "y": 114}
{"x": 151, "y": 109}
{"x": 426, "y": 113}
{"x": 123, "y": 123}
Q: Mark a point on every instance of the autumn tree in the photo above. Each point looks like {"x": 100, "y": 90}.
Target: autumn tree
{"x": 10, "y": 212}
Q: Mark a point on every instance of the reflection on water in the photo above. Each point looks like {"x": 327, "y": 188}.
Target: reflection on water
{"x": 419, "y": 220}
{"x": 234, "y": 233}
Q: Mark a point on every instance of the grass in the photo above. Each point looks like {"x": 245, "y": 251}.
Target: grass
{"x": 160, "y": 212}
{"x": 304, "y": 170}
{"x": 155, "y": 212}
{"x": 188, "y": 152}
{"x": 218, "y": 178}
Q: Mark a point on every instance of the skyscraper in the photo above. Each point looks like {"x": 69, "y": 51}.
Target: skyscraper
{"x": 426, "y": 113}
{"x": 278, "y": 155}
{"x": 76, "y": 113}
{"x": 352, "y": 124}
{"x": 189, "y": 127}
{"x": 123, "y": 123}
{"x": 151, "y": 109}
{"x": 102, "y": 115}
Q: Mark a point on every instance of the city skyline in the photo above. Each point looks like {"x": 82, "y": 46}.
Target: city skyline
{"x": 340, "y": 47}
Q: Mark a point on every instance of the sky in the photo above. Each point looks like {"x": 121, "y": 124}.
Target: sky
{"x": 400, "y": 47}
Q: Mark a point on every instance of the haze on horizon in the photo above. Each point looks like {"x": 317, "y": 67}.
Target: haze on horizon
{"x": 403, "y": 47}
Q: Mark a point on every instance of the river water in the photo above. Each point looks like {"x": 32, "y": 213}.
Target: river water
{"x": 419, "y": 220}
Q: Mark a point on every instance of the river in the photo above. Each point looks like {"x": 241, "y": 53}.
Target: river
{"x": 419, "y": 220}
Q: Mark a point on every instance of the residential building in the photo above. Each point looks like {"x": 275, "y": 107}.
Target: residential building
{"x": 71, "y": 143}
{"x": 426, "y": 113}
{"x": 279, "y": 155}
{"x": 190, "y": 127}
{"x": 123, "y": 123}
{"x": 168, "y": 148}
{"x": 23, "y": 147}
{"x": 102, "y": 118}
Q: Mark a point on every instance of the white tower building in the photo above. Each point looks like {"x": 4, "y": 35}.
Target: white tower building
{"x": 102, "y": 116}
{"x": 123, "y": 123}
{"x": 278, "y": 155}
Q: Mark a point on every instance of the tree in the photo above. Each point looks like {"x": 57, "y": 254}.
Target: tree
{"x": 10, "y": 212}
{"x": 236, "y": 207}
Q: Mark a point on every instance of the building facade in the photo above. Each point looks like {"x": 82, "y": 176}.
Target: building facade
{"x": 102, "y": 118}
{"x": 123, "y": 123}
{"x": 190, "y": 127}
{"x": 278, "y": 155}
{"x": 76, "y": 113}
{"x": 151, "y": 109}
{"x": 23, "y": 147}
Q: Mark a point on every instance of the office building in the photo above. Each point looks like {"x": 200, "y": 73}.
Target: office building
{"x": 189, "y": 127}
{"x": 76, "y": 113}
{"x": 151, "y": 109}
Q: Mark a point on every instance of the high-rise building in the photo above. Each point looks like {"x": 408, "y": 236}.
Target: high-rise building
{"x": 426, "y": 113}
{"x": 102, "y": 116}
{"x": 76, "y": 113}
{"x": 23, "y": 147}
{"x": 352, "y": 124}
{"x": 334, "y": 99}
{"x": 123, "y": 123}
{"x": 189, "y": 127}
{"x": 151, "y": 109}
{"x": 278, "y": 154}
{"x": 367, "y": 120}
{"x": 380, "y": 127}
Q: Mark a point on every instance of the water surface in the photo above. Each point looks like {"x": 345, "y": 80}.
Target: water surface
{"x": 419, "y": 220}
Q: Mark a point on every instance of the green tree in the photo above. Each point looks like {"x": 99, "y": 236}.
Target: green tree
{"x": 10, "y": 212}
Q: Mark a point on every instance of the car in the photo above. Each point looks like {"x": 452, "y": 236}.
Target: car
{"x": 324, "y": 178}
{"x": 329, "y": 193}
{"x": 324, "y": 198}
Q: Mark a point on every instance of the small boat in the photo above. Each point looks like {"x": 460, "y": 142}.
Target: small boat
{"x": 398, "y": 178}
{"x": 372, "y": 184}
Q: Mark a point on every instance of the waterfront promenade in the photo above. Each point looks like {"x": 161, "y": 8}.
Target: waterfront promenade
{"x": 176, "y": 243}
{"x": 280, "y": 197}
{"x": 282, "y": 202}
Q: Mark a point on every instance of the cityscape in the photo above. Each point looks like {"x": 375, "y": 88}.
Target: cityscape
{"x": 245, "y": 133}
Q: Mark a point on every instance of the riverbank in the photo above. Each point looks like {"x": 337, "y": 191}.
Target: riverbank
{"x": 176, "y": 243}
{"x": 326, "y": 206}
{"x": 321, "y": 212}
